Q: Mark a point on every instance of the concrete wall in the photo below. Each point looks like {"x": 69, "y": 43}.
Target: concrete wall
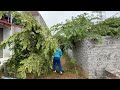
{"x": 94, "y": 58}
{"x": 41, "y": 20}
{"x": 70, "y": 53}
{"x": 6, "y": 34}
{"x": 16, "y": 29}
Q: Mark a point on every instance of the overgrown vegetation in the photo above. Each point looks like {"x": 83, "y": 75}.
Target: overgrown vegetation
{"x": 71, "y": 66}
{"x": 70, "y": 63}
{"x": 33, "y": 47}
{"x": 109, "y": 27}
{"x": 82, "y": 27}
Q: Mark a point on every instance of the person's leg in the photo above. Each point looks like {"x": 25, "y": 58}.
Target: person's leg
{"x": 59, "y": 65}
{"x": 54, "y": 64}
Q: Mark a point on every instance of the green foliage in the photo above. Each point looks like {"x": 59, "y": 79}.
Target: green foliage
{"x": 72, "y": 63}
{"x": 109, "y": 27}
{"x": 32, "y": 48}
{"x": 33, "y": 64}
{"x": 82, "y": 27}
{"x": 73, "y": 30}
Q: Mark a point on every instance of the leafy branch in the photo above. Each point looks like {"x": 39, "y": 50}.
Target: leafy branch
{"x": 33, "y": 47}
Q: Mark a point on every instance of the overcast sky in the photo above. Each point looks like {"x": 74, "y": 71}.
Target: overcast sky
{"x": 53, "y": 17}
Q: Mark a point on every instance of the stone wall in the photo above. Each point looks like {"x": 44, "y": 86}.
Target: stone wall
{"x": 94, "y": 58}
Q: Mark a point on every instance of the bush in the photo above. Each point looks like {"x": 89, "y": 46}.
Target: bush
{"x": 72, "y": 64}
{"x": 33, "y": 47}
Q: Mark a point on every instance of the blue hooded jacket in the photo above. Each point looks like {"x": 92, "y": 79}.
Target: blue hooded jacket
{"x": 58, "y": 53}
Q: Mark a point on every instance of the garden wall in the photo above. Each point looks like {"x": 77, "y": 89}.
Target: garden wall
{"x": 94, "y": 57}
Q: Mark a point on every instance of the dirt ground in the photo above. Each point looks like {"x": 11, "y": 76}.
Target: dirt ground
{"x": 66, "y": 74}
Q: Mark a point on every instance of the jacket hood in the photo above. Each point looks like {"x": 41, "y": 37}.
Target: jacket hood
{"x": 57, "y": 49}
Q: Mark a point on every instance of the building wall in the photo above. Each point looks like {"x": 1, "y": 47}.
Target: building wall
{"x": 6, "y": 34}
{"x": 94, "y": 58}
{"x": 16, "y": 29}
{"x": 40, "y": 19}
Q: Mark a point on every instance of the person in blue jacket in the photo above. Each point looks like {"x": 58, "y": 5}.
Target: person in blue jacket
{"x": 56, "y": 60}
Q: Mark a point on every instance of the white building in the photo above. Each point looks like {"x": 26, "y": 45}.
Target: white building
{"x": 7, "y": 29}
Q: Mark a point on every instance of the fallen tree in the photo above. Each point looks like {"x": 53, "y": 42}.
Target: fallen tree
{"x": 32, "y": 48}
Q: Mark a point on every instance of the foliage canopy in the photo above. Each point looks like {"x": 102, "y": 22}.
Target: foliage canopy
{"x": 82, "y": 27}
{"x": 32, "y": 48}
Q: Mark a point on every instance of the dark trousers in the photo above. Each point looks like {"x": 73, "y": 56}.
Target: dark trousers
{"x": 56, "y": 60}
